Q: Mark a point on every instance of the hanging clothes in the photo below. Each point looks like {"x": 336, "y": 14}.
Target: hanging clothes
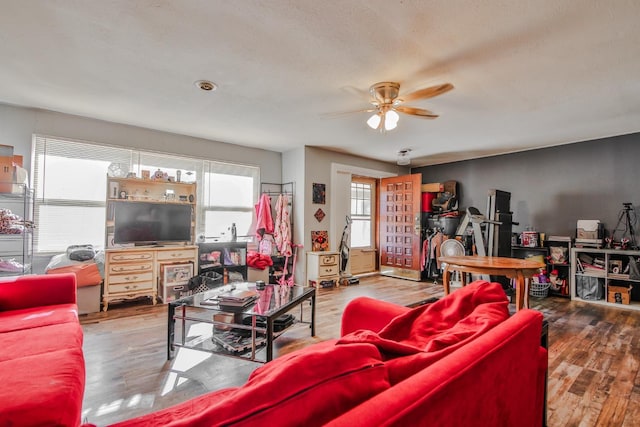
{"x": 436, "y": 243}
{"x": 282, "y": 227}
{"x": 264, "y": 220}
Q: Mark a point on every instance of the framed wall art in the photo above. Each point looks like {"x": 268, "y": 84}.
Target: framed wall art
{"x": 319, "y": 193}
{"x": 319, "y": 241}
{"x": 319, "y": 215}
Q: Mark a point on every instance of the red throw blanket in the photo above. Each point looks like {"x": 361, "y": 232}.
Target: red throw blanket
{"x": 419, "y": 337}
{"x": 258, "y": 260}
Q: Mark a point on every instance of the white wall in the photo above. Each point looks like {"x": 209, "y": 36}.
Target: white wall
{"x": 302, "y": 166}
{"x": 17, "y": 126}
{"x": 293, "y": 166}
{"x": 320, "y": 167}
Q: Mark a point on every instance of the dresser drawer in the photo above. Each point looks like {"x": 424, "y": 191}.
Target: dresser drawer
{"x": 327, "y": 270}
{"x": 130, "y": 256}
{"x": 132, "y": 267}
{"x": 129, "y": 287}
{"x": 130, "y": 278}
{"x": 328, "y": 259}
{"x": 177, "y": 254}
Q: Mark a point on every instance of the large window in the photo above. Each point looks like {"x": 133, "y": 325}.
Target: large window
{"x": 69, "y": 180}
{"x": 362, "y": 212}
{"x": 231, "y": 192}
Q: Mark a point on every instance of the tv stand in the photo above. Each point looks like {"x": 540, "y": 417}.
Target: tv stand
{"x": 137, "y": 272}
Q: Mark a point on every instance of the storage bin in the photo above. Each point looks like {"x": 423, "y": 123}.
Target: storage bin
{"x": 619, "y": 294}
{"x": 590, "y": 288}
{"x": 539, "y": 290}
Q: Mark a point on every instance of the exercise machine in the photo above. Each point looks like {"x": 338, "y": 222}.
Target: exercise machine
{"x": 476, "y": 219}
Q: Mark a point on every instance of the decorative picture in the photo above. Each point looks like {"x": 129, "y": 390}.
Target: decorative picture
{"x": 319, "y": 215}
{"x": 319, "y": 193}
{"x": 177, "y": 274}
{"x": 319, "y": 241}
{"x": 558, "y": 254}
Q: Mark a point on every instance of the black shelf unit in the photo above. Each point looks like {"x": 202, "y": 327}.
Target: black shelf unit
{"x": 559, "y": 259}
{"x": 226, "y": 258}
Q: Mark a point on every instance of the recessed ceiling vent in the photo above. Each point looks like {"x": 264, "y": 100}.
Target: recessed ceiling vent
{"x": 206, "y": 85}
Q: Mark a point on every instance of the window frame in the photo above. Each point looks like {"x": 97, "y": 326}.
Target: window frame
{"x": 371, "y": 182}
{"x": 43, "y": 146}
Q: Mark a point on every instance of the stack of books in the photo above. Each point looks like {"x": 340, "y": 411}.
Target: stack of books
{"x": 555, "y": 238}
{"x": 237, "y": 341}
{"x": 234, "y": 300}
{"x": 589, "y": 243}
{"x": 593, "y": 266}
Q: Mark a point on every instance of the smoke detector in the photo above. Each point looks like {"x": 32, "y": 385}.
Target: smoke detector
{"x": 403, "y": 157}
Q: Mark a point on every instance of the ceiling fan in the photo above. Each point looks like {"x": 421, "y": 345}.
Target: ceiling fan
{"x": 387, "y": 104}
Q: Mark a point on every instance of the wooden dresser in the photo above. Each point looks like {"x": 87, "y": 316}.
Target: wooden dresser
{"x": 135, "y": 272}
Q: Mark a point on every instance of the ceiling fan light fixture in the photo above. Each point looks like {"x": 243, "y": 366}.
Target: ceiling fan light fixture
{"x": 374, "y": 121}
{"x": 403, "y": 157}
{"x": 391, "y": 120}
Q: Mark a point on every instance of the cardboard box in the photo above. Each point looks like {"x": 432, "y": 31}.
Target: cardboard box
{"x": 435, "y": 187}
{"x": 255, "y": 274}
{"x": 589, "y": 229}
{"x": 619, "y": 294}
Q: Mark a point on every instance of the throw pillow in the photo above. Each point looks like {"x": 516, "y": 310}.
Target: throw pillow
{"x": 419, "y": 337}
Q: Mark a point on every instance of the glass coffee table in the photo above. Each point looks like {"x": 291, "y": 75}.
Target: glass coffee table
{"x": 206, "y": 323}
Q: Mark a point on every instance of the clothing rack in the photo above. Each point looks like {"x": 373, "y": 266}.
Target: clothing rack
{"x": 274, "y": 189}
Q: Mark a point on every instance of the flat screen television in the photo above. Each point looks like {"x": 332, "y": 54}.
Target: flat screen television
{"x": 146, "y": 223}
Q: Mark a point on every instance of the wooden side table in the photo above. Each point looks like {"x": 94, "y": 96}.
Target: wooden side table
{"x": 513, "y": 268}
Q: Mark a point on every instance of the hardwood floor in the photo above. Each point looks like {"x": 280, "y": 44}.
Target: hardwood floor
{"x": 594, "y": 356}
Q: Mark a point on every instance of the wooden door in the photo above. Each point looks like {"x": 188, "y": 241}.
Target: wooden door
{"x": 400, "y": 243}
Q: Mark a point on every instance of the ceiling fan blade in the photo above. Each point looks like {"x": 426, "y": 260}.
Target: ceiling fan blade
{"x": 415, "y": 111}
{"x": 345, "y": 113}
{"x": 428, "y": 92}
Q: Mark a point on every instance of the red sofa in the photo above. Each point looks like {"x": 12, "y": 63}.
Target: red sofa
{"x": 460, "y": 361}
{"x": 42, "y": 368}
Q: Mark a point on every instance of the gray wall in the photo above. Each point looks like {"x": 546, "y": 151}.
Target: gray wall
{"x": 552, "y": 188}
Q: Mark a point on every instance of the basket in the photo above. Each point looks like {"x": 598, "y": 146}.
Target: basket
{"x": 539, "y": 290}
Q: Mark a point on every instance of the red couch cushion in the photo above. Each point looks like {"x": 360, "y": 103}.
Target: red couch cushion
{"x": 34, "y": 341}
{"x": 35, "y": 317}
{"x": 43, "y": 390}
{"x": 306, "y": 387}
{"x": 182, "y": 410}
{"x": 20, "y": 292}
{"x": 419, "y": 337}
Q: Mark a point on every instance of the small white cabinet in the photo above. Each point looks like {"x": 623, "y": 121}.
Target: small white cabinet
{"x": 323, "y": 269}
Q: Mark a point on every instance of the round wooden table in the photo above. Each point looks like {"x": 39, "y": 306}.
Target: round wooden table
{"x": 513, "y": 268}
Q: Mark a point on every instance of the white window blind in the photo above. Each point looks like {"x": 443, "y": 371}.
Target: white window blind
{"x": 69, "y": 179}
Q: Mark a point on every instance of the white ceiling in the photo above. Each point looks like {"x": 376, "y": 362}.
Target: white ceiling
{"x": 527, "y": 73}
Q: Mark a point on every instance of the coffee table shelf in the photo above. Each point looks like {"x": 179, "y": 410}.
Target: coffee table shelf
{"x": 202, "y": 326}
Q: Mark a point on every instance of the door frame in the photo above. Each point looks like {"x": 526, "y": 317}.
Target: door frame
{"x": 339, "y": 196}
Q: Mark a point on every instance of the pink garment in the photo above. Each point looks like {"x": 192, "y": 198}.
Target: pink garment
{"x": 264, "y": 221}
{"x": 282, "y": 229}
